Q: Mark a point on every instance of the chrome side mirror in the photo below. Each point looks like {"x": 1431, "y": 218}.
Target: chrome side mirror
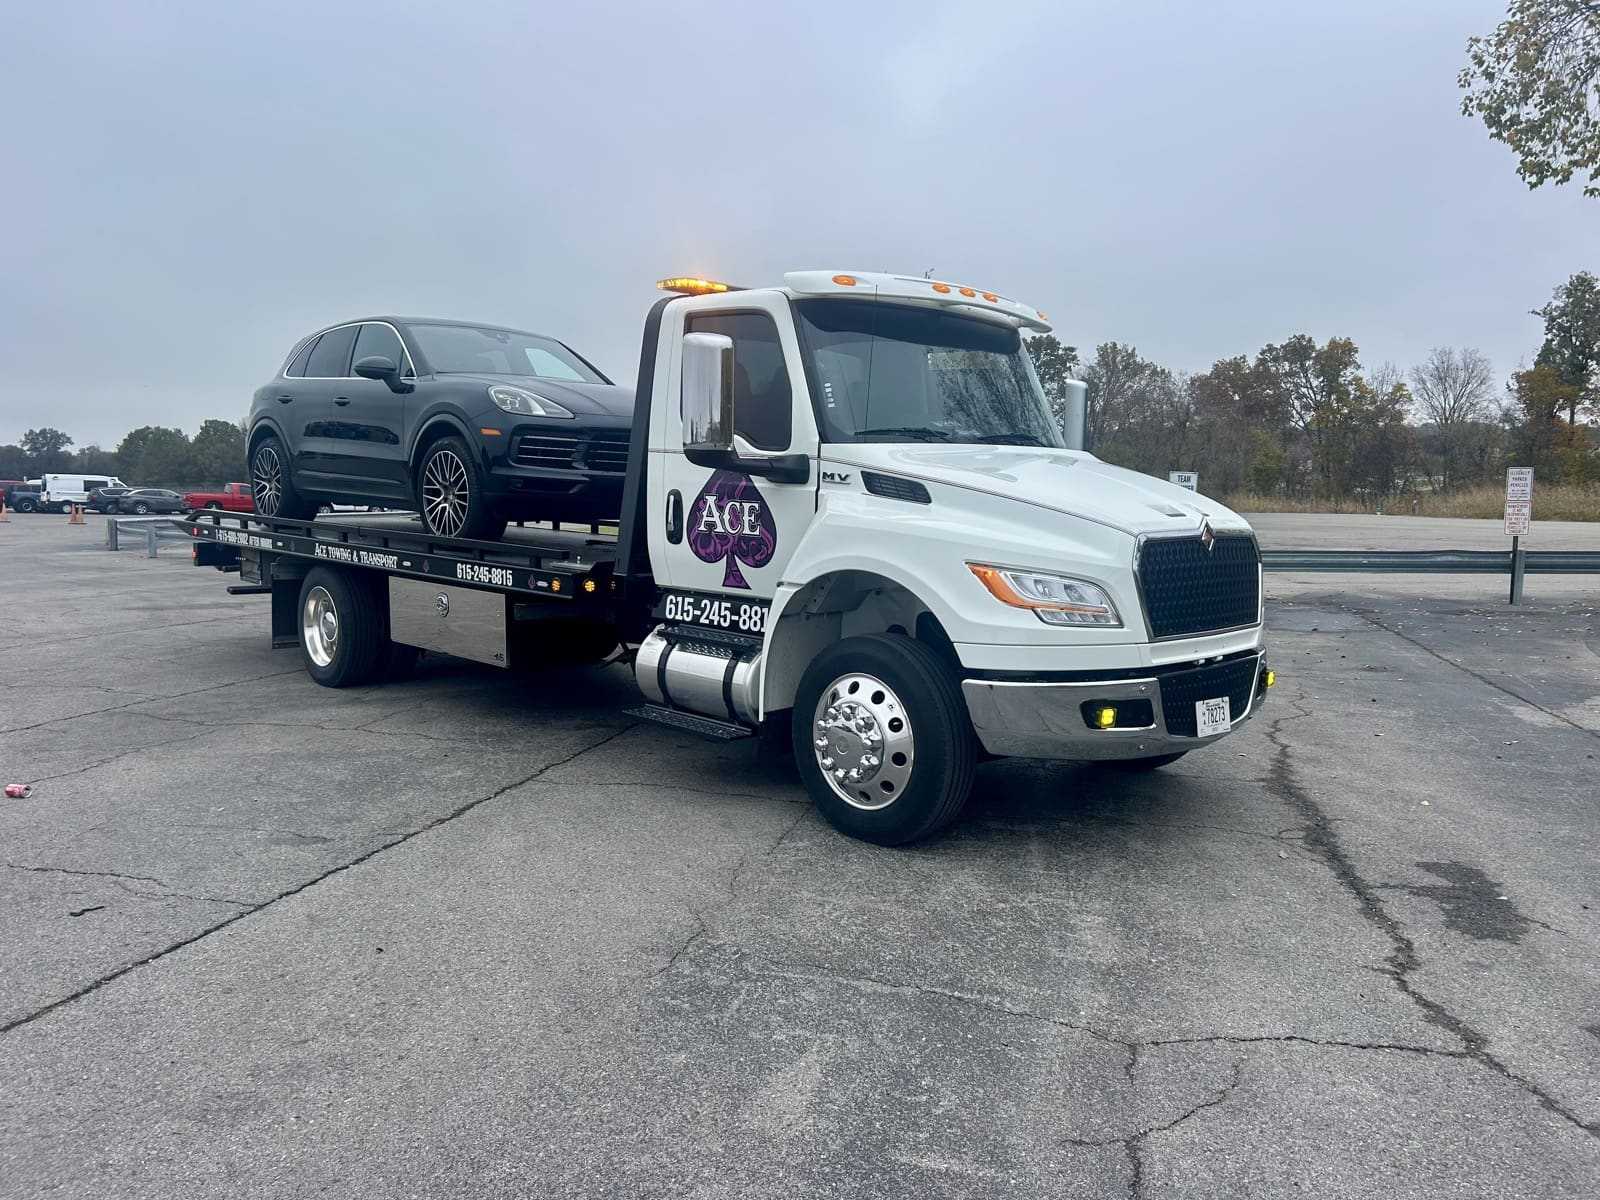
{"x": 707, "y": 392}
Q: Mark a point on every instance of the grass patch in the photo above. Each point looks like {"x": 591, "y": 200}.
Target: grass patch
{"x": 1558, "y": 502}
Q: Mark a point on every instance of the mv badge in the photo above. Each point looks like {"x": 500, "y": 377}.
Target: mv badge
{"x": 1208, "y": 539}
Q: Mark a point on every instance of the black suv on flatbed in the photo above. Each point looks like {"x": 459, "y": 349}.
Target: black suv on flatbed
{"x": 471, "y": 425}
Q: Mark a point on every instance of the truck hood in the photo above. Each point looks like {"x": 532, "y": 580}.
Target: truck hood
{"x": 584, "y": 399}
{"x": 1066, "y": 481}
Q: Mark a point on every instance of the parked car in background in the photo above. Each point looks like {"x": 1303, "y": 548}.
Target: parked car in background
{"x": 151, "y": 500}
{"x": 24, "y": 497}
{"x": 60, "y": 492}
{"x": 105, "y": 499}
{"x": 471, "y": 425}
{"x": 234, "y": 497}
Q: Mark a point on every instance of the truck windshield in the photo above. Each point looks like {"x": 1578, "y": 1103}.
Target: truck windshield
{"x": 470, "y": 350}
{"x": 898, "y": 373}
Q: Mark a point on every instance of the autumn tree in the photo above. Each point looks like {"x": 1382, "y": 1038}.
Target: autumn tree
{"x": 1453, "y": 391}
{"x": 1537, "y": 399}
{"x": 1535, "y": 83}
{"x": 1317, "y": 384}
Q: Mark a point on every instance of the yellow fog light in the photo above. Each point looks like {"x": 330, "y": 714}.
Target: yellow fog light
{"x": 1105, "y": 717}
{"x": 1272, "y": 677}
{"x": 588, "y": 586}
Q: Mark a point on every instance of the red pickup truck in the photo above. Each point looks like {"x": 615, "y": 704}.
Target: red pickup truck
{"x": 235, "y": 497}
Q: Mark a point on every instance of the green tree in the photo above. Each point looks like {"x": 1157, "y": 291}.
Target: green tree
{"x": 1535, "y": 82}
{"x": 218, "y": 453}
{"x": 46, "y": 449}
{"x": 1572, "y": 340}
{"x": 1318, "y": 388}
{"x": 154, "y": 456}
{"x": 91, "y": 460}
{"x": 13, "y": 461}
{"x": 1055, "y": 365}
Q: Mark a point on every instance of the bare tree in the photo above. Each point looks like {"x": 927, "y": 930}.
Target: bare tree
{"x": 1453, "y": 389}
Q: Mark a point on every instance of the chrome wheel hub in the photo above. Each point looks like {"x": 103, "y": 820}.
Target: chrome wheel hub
{"x": 446, "y": 491}
{"x": 319, "y": 626}
{"x": 863, "y": 742}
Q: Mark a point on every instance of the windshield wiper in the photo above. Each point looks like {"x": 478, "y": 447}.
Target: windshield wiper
{"x": 1010, "y": 439}
{"x": 910, "y": 433}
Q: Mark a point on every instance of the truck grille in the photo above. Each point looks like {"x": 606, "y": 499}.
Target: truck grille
{"x": 604, "y": 451}
{"x": 1182, "y": 690}
{"x": 1188, "y": 589}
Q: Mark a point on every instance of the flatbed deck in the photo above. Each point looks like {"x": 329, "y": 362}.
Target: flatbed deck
{"x": 559, "y": 563}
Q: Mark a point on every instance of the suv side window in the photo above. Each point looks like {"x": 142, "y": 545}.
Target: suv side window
{"x": 331, "y": 358}
{"x": 379, "y": 339}
{"x": 298, "y": 367}
{"x": 762, "y": 399}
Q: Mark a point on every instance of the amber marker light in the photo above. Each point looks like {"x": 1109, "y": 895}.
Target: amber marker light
{"x": 942, "y": 288}
{"x": 845, "y": 280}
{"x": 693, "y": 285}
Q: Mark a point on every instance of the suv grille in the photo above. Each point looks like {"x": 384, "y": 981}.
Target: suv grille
{"x": 1182, "y": 690}
{"x": 1188, "y": 589}
{"x": 604, "y": 451}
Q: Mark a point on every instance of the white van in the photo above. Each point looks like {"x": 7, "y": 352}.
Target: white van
{"x": 60, "y": 492}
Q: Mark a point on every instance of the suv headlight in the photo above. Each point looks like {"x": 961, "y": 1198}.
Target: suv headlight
{"x": 524, "y": 403}
{"x": 1054, "y": 599}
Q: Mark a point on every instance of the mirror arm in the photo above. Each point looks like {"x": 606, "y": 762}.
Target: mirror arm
{"x": 780, "y": 468}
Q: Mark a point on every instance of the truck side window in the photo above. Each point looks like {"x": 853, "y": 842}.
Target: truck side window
{"x": 762, "y": 399}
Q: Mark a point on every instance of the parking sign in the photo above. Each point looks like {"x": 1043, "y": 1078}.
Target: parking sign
{"x": 1519, "y": 500}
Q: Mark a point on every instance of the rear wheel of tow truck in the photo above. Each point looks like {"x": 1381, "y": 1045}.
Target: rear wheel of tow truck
{"x": 882, "y": 739}
{"x": 344, "y": 635}
{"x": 274, "y": 490}
{"x": 451, "y": 493}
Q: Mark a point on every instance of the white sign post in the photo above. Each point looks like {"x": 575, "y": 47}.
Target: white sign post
{"x": 1185, "y": 479}
{"x": 1519, "y": 515}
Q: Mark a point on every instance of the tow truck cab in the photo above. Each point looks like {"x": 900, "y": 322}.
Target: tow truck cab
{"x": 861, "y": 519}
{"x": 850, "y": 519}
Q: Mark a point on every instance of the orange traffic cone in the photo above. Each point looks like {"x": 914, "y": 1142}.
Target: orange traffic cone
{"x": 77, "y": 516}
{"x": 5, "y": 517}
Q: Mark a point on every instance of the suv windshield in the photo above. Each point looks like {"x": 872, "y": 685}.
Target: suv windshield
{"x": 896, "y": 373}
{"x": 469, "y": 350}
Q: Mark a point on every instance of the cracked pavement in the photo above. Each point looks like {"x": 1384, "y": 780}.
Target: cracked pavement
{"x": 482, "y": 935}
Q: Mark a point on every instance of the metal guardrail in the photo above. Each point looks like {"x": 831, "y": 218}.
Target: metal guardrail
{"x": 1434, "y": 562}
{"x": 151, "y": 531}
{"x": 1515, "y": 562}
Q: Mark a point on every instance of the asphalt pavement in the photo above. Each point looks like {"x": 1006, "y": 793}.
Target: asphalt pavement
{"x": 476, "y": 934}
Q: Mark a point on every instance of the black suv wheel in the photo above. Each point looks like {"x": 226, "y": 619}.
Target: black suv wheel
{"x": 451, "y": 495}
{"x": 275, "y": 493}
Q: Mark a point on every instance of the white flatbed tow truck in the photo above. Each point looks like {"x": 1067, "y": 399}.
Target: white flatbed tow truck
{"x": 849, "y": 517}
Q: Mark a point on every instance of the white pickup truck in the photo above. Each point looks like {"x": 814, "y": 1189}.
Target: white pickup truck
{"x": 849, "y": 515}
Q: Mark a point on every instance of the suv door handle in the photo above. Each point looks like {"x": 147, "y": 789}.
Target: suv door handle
{"x": 341, "y": 401}
{"x": 284, "y": 398}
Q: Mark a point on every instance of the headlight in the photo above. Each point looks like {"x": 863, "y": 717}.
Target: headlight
{"x": 1054, "y": 599}
{"x": 524, "y": 403}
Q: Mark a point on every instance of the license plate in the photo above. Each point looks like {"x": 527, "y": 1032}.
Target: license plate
{"x": 1212, "y": 717}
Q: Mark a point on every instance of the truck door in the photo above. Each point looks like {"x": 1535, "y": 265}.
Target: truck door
{"x": 724, "y": 535}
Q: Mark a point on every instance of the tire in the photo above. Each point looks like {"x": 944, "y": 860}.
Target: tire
{"x": 1143, "y": 764}
{"x": 25, "y": 506}
{"x": 272, "y": 484}
{"x": 349, "y": 649}
{"x": 925, "y": 749}
{"x": 141, "y": 508}
{"x": 213, "y": 504}
{"x": 452, "y": 495}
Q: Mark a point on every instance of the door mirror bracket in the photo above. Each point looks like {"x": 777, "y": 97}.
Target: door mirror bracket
{"x": 381, "y": 366}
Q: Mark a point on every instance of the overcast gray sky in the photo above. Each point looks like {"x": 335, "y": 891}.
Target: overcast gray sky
{"x": 191, "y": 187}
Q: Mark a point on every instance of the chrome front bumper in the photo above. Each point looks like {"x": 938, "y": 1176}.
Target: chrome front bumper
{"x": 1045, "y": 720}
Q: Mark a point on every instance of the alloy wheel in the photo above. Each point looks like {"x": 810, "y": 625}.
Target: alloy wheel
{"x": 446, "y": 493}
{"x": 267, "y": 481}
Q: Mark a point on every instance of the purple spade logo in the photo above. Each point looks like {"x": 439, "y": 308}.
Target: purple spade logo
{"x": 729, "y": 521}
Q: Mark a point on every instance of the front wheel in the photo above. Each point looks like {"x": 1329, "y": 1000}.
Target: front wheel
{"x": 451, "y": 493}
{"x": 141, "y": 508}
{"x": 25, "y": 506}
{"x": 882, "y": 739}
